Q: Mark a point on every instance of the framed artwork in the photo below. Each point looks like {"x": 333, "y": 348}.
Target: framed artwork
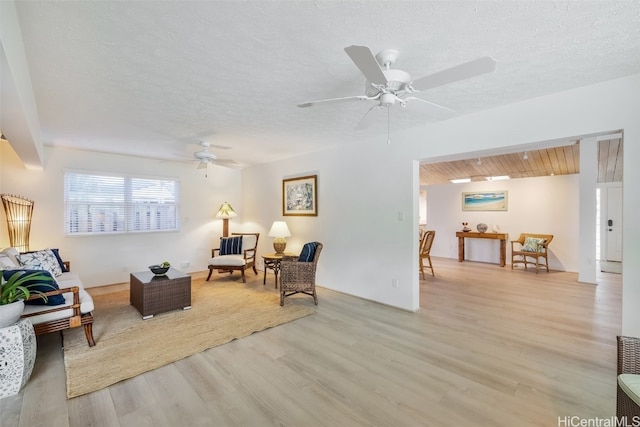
{"x": 300, "y": 196}
{"x": 485, "y": 201}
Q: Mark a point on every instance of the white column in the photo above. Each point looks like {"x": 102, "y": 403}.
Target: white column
{"x": 587, "y": 238}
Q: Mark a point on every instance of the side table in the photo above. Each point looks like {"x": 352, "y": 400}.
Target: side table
{"x": 17, "y": 356}
{"x": 272, "y": 262}
{"x": 152, "y": 294}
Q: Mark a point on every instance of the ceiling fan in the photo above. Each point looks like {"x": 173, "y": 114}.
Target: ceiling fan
{"x": 389, "y": 86}
{"x": 205, "y": 157}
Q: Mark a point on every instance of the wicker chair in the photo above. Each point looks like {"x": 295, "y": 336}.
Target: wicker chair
{"x": 628, "y": 363}
{"x": 520, "y": 253}
{"x": 299, "y": 277}
{"x": 425, "y": 250}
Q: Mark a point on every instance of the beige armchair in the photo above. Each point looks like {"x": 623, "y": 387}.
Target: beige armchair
{"x": 534, "y": 246}
{"x": 239, "y": 258}
{"x": 298, "y": 276}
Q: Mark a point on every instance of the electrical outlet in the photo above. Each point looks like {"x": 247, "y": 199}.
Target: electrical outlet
{"x": 185, "y": 264}
{"x": 395, "y": 283}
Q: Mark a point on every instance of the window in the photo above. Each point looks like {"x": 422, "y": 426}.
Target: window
{"x": 104, "y": 203}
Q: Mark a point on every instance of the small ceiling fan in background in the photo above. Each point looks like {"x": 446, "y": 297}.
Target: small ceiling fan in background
{"x": 388, "y": 86}
{"x": 206, "y": 158}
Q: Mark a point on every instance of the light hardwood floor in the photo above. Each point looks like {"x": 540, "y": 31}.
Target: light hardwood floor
{"x": 489, "y": 347}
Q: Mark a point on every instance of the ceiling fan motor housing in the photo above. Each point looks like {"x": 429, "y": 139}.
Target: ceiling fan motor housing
{"x": 397, "y": 80}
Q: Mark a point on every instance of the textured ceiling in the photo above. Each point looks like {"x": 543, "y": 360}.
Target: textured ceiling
{"x": 153, "y": 78}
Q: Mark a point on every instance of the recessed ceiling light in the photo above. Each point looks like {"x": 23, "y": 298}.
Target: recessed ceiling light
{"x": 460, "y": 181}
{"x": 498, "y": 178}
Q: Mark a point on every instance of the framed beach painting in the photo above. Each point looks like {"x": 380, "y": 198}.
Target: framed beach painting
{"x": 485, "y": 201}
{"x": 300, "y": 196}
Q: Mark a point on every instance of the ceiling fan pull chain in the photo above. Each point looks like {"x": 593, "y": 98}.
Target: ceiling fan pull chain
{"x": 388, "y": 125}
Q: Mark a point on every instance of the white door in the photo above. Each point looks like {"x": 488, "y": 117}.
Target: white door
{"x": 613, "y": 224}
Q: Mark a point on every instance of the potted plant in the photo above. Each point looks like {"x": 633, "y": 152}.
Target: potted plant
{"x": 15, "y": 290}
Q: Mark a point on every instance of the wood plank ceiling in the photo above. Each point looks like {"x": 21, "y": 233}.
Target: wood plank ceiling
{"x": 548, "y": 161}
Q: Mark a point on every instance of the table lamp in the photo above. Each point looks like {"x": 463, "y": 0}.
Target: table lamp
{"x": 279, "y": 231}
{"x": 225, "y": 212}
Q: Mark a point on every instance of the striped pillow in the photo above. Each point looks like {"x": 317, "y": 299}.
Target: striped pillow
{"x": 231, "y": 245}
{"x": 308, "y": 252}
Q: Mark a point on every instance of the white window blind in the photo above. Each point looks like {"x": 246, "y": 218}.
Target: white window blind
{"x": 103, "y": 203}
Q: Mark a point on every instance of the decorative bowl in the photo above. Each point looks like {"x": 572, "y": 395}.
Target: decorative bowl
{"x": 482, "y": 227}
{"x": 158, "y": 270}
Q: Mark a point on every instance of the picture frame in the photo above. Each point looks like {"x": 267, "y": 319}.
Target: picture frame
{"x": 485, "y": 200}
{"x": 300, "y": 196}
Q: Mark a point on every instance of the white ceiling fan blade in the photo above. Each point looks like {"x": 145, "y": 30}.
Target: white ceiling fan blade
{"x": 368, "y": 118}
{"x": 226, "y": 162}
{"x": 337, "y": 100}
{"x": 366, "y": 62}
{"x": 460, "y": 72}
{"x": 432, "y": 109}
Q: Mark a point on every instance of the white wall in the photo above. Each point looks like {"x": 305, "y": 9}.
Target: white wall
{"x": 546, "y": 205}
{"x": 365, "y": 187}
{"x": 368, "y": 196}
{"x": 109, "y": 259}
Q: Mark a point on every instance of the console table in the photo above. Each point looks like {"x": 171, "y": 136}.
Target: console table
{"x": 503, "y": 237}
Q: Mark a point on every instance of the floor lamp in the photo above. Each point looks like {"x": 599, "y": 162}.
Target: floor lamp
{"x": 225, "y": 212}
{"x": 18, "y": 211}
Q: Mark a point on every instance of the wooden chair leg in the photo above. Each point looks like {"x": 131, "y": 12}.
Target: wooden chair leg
{"x": 210, "y": 271}
{"x": 88, "y": 332}
{"x": 243, "y": 279}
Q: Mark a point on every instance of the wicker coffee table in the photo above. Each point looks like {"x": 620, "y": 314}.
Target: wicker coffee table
{"x": 152, "y": 294}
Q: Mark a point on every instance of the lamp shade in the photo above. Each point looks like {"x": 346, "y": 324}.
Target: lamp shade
{"x": 279, "y": 229}
{"x": 226, "y": 211}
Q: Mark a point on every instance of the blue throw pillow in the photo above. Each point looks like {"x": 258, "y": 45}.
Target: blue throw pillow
{"x": 231, "y": 245}
{"x": 62, "y": 266}
{"x": 38, "y": 285}
{"x": 308, "y": 252}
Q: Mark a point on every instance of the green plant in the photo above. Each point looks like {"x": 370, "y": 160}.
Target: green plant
{"x": 20, "y": 286}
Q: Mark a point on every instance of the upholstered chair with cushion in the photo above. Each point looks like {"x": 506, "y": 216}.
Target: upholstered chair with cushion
{"x": 534, "y": 246}
{"x": 298, "y": 275}
{"x": 236, "y": 253}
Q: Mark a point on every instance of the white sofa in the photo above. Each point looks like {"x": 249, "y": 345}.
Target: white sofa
{"x": 77, "y": 309}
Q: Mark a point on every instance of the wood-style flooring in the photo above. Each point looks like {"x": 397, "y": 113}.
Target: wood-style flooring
{"x": 489, "y": 347}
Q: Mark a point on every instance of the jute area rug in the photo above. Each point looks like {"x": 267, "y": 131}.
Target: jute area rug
{"x": 223, "y": 309}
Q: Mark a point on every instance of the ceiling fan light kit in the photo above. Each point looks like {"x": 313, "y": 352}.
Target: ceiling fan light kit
{"x": 389, "y": 86}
